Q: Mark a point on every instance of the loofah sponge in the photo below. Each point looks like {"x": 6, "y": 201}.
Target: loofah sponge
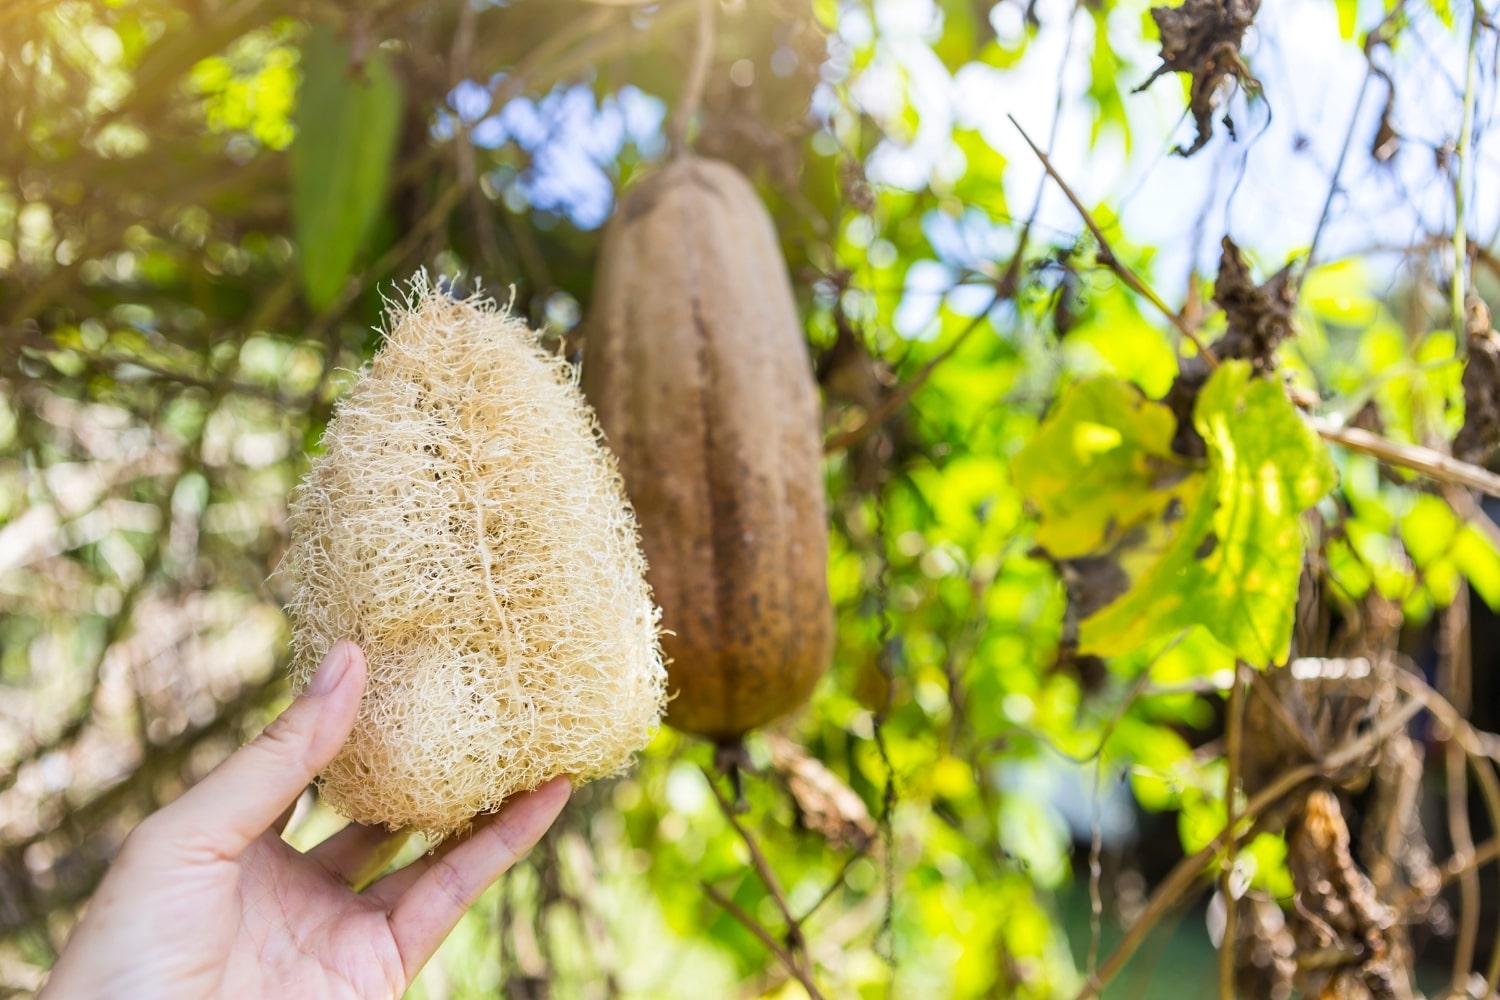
{"x": 465, "y": 526}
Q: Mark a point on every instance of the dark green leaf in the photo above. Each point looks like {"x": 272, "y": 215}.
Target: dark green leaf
{"x": 348, "y": 121}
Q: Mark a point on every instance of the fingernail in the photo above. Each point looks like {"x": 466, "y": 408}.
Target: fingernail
{"x": 335, "y": 664}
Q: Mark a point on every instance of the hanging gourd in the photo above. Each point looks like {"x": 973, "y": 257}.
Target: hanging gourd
{"x": 697, "y": 366}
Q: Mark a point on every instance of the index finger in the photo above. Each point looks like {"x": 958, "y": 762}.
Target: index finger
{"x": 242, "y": 797}
{"x": 447, "y": 884}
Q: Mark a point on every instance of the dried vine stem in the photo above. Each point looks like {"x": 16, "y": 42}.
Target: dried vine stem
{"x": 1452, "y": 675}
{"x": 758, "y": 859}
{"x": 1173, "y": 889}
{"x": 765, "y": 937}
{"x": 1463, "y": 153}
{"x": 1113, "y": 262}
{"x": 692, "y": 91}
{"x": 1459, "y": 865}
{"x": 1468, "y": 509}
{"x": 1462, "y": 732}
{"x": 795, "y": 954}
{"x": 1423, "y": 461}
{"x": 1234, "y": 730}
{"x": 899, "y": 396}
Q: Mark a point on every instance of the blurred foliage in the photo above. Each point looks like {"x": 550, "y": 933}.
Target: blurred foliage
{"x": 1041, "y": 596}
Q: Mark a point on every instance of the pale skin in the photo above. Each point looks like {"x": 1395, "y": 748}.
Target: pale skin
{"x": 206, "y": 899}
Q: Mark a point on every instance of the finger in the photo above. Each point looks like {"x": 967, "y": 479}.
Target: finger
{"x": 389, "y": 890}
{"x": 346, "y": 854}
{"x": 449, "y": 883}
{"x": 242, "y": 797}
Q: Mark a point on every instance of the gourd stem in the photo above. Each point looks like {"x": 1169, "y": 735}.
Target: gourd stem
{"x": 732, "y": 760}
{"x": 692, "y": 90}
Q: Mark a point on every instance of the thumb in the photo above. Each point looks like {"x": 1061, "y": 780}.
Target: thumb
{"x": 243, "y": 796}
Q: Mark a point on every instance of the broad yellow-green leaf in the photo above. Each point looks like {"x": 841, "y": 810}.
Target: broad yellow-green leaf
{"x": 348, "y": 120}
{"x": 1234, "y": 565}
{"x": 1100, "y": 467}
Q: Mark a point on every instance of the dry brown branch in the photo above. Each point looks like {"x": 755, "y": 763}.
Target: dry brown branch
{"x": 1459, "y": 864}
{"x": 765, "y": 937}
{"x": 1469, "y": 510}
{"x": 1107, "y": 255}
{"x": 762, "y": 867}
{"x": 1472, "y": 741}
{"x": 1174, "y": 889}
{"x": 1423, "y": 461}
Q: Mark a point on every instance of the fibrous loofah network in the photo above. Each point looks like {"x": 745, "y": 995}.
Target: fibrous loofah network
{"x": 467, "y": 528}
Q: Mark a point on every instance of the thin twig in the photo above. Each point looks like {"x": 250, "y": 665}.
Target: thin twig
{"x": 762, "y": 866}
{"x": 1338, "y": 170}
{"x": 1375, "y": 37}
{"x": 1233, "y": 735}
{"x": 692, "y": 90}
{"x": 354, "y": 287}
{"x": 766, "y": 938}
{"x": 1461, "y": 176}
{"x": 833, "y": 886}
{"x": 1453, "y": 639}
{"x": 1472, "y": 741}
{"x": 1469, "y": 510}
{"x": 885, "y": 660}
{"x": 1139, "y": 688}
{"x": 1460, "y": 864}
{"x": 1113, "y": 262}
{"x": 460, "y": 61}
{"x": 898, "y": 397}
{"x": 1425, "y": 461}
{"x": 1096, "y": 869}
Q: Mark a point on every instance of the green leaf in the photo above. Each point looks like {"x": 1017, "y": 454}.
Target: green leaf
{"x": 1100, "y": 467}
{"x": 348, "y": 120}
{"x": 980, "y": 184}
{"x": 1348, "y": 11}
{"x": 1477, "y": 557}
{"x": 1234, "y": 565}
{"x": 961, "y": 33}
{"x": 1428, "y": 529}
{"x": 1267, "y": 853}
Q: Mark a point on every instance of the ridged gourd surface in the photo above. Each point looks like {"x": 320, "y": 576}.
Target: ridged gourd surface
{"x": 698, "y": 368}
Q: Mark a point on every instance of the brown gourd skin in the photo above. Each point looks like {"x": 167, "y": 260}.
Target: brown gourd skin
{"x": 698, "y": 369}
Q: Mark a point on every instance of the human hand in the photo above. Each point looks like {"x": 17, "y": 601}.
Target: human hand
{"x": 207, "y": 900}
